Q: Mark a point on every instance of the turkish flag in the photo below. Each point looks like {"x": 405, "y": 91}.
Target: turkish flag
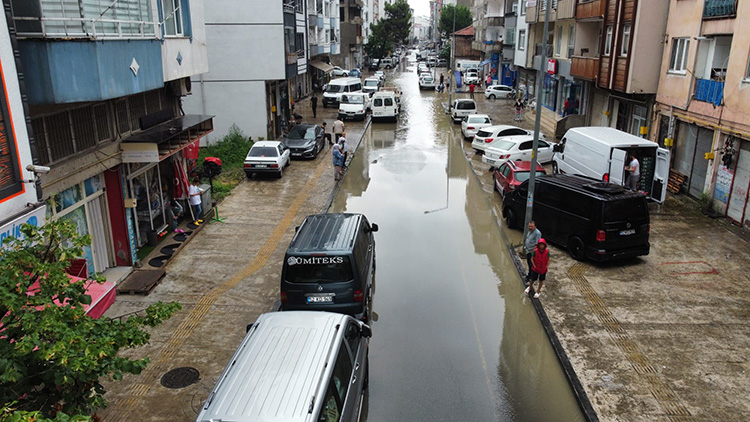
{"x": 191, "y": 151}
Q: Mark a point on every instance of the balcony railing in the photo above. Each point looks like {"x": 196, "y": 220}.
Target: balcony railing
{"x": 585, "y": 67}
{"x": 720, "y": 8}
{"x": 590, "y": 9}
{"x": 538, "y": 50}
{"x": 709, "y": 91}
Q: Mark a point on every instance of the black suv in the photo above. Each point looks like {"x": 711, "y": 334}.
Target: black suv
{"x": 330, "y": 265}
{"x": 593, "y": 219}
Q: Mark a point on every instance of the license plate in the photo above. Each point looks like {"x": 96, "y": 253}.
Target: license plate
{"x": 320, "y": 299}
{"x": 377, "y": 113}
{"x": 627, "y": 232}
{"x": 296, "y": 154}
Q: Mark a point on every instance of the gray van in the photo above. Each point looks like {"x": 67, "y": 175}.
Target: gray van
{"x": 330, "y": 265}
{"x": 294, "y": 366}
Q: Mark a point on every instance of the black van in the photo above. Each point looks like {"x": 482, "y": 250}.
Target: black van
{"x": 330, "y": 265}
{"x": 593, "y": 219}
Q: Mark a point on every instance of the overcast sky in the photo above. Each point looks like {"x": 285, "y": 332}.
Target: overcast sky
{"x": 421, "y": 7}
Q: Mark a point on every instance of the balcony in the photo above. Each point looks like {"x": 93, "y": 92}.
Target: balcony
{"x": 590, "y": 10}
{"x": 585, "y": 68}
{"x": 538, "y": 50}
{"x": 719, "y": 9}
{"x": 709, "y": 91}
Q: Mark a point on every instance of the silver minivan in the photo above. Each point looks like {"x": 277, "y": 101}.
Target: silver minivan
{"x": 294, "y": 366}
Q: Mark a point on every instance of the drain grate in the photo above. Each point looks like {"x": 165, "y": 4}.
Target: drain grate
{"x": 180, "y": 377}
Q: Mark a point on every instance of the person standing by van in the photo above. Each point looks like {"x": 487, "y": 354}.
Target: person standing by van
{"x": 338, "y": 128}
{"x": 540, "y": 262}
{"x": 530, "y": 244}
{"x": 634, "y": 173}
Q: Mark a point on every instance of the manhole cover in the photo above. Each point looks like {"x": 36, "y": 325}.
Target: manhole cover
{"x": 180, "y": 377}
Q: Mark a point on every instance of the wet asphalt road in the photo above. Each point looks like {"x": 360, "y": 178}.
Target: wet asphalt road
{"x": 454, "y": 337}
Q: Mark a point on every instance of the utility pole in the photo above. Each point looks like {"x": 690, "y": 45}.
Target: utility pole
{"x": 537, "y": 124}
{"x": 452, "y": 68}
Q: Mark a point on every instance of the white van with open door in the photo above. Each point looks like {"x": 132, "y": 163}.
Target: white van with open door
{"x": 602, "y": 153}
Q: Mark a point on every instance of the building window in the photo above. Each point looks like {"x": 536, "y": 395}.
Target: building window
{"x": 11, "y": 181}
{"x": 515, "y": 8}
{"x": 522, "y": 41}
{"x": 608, "y": 41}
{"x": 678, "y": 61}
{"x": 571, "y": 40}
{"x": 523, "y": 7}
{"x": 639, "y": 120}
{"x": 625, "y": 40}
{"x": 747, "y": 71}
{"x": 558, "y": 41}
{"x": 172, "y": 17}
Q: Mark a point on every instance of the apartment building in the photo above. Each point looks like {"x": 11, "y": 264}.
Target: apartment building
{"x": 525, "y": 77}
{"x": 703, "y": 99}
{"x": 495, "y": 38}
{"x": 324, "y": 39}
{"x": 351, "y": 13}
{"x": 103, "y": 82}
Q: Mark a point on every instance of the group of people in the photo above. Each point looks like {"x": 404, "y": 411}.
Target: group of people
{"x": 537, "y": 258}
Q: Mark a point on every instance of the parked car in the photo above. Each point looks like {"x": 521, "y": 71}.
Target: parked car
{"x": 426, "y": 82}
{"x": 461, "y": 108}
{"x": 597, "y": 220}
{"x": 485, "y": 137}
{"x": 516, "y": 148}
{"x": 442, "y": 63}
{"x": 510, "y": 174}
{"x": 355, "y": 73}
{"x": 322, "y": 362}
{"x": 266, "y": 157}
{"x": 305, "y": 140}
{"x": 471, "y": 77}
{"x": 380, "y": 74}
{"x": 422, "y": 67}
{"x": 371, "y": 85}
{"x": 472, "y": 123}
{"x": 337, "y": 87}
{"x": 330, "y": 265}
{"x": 354, "y": 106}
{"x": 374, "y": 64}
{"x": 337, "y": 71}
{"x": 499, "y": 91}
{"x": 432, "y": 61}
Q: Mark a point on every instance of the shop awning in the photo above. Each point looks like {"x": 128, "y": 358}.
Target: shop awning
{"x": 164, "y": 139}
{"x": 325, "y": 67}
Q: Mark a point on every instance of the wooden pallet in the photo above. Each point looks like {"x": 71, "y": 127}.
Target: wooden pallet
{"x": 676, "y": 180}
{"x": 141, "y": 282}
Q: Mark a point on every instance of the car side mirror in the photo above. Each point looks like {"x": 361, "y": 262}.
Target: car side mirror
{"x": 556, "y": 148}
{"x": 366, "y": 331}
{"x": 373, "y": 227}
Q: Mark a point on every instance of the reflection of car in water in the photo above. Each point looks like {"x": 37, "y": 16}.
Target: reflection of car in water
{"x": 384, "y": 136}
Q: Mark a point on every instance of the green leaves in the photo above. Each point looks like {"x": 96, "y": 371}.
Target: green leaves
{"x": 462, "y": 16}
{"x": 52, "y": 354}
{"x": 390, "y": 31}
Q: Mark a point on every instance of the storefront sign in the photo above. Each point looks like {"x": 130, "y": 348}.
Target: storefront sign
{"x": 723, "y": 183}
{"x": 13, "y": 228}
{"x": 551, "y": 66}
{"x": 140, "y": 152}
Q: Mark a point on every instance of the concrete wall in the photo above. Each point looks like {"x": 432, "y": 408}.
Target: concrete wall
{"x": 191, "y": 50}
{"x": 232, "y": 102}
{"x": 521, "y": 55}
{"x": 646, "y": 48}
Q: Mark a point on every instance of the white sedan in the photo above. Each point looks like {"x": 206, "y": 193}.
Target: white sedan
{"x": 486, "y": 136}
{"x": 471, "y": 78}
{"x": 337, "y": 71}
{"x": 517, "y": 148}
{"x": 380, "y": 74}
{"x": 472, "y": 123}
{"x": 426, "y": 82}
{"x": 499, "y": 91}
{"x": 266, "y": 157}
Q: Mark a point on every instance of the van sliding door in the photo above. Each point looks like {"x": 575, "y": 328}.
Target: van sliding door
{"x": 617, "y": 166}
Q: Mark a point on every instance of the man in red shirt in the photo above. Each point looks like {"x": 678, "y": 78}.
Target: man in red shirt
{"x": 471, "y": 90}
{"x": 539, "y": 263}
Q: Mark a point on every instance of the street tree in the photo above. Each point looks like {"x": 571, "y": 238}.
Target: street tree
{"x": 463, "y": 18}
{"x": 398, "y": 21}
{"x": 378, "y": 44}
{"x": 52, "y": 355}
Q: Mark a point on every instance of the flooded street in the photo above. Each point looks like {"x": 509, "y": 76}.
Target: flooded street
{"x": 454, "y": 337}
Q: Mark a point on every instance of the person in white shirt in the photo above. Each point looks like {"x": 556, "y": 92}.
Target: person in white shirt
{"x": 634, "y": 173}
{"x": 195, "y": 198}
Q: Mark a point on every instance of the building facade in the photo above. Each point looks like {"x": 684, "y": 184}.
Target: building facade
{"x": 104, "y": 84}
{"x": 703, "y": 99}
{"x": 324, "y": 35}
{"x": 351, "y": 13}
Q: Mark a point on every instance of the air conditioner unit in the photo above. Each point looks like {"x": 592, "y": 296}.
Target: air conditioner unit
{"x": 180, "y": 87}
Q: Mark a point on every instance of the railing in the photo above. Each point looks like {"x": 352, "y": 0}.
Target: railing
{"x": 538, "y": 50}
{"x": 584, "y": 67}
{"x": 709, "y": 91}
{"x": 291, "y": 58}
{"x": 590, "y": 9}
{"x": 719, "y": 8}
{"x": 289, "y": 6}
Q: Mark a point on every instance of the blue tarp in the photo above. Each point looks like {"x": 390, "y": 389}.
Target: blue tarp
{"x": 458, "y": 79}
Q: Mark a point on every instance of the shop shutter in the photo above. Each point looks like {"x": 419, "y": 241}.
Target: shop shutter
{"x": 738, "y": 200}
{"x": 700, "y": 164}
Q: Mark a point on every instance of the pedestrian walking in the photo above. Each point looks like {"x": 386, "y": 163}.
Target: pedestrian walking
{"x": 634, "y": 173}
{"x": 442, "y": 78}
{"x": 566, "y": 107}
{"x": 314, "y": 104}
{"x": 540, "y": 262}
{"x": 194, "y": 192}
{"x": 344, "y": 148}
{"x": 299, "y": 91}
{"x": 519, "y": 108}
{"x": 472, "y": 87}
{"x": 532, "y": 238}
{"x": 338, "y": 161}
{"x": 338, "y": 128}
{"x": 488, "y": 81}
{"x": 326, "y": 135}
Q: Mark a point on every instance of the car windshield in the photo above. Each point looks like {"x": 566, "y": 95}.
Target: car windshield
{"x": 301, "y": 132}
{"x": 427, "y": 78}
{"x": 319, "y": 270}
{"x": 335, "y": 88}
{"x": 352, "y": 99}
{"x": 504, "y": 145}
{"x": 263, "y": 152}
{"x": 523, "y": 176}
{"x": 371, "y": 83}
{"x": 478, "y": 120}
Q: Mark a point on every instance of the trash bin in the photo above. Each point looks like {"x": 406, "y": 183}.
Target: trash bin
{"x": 206, "y": 204}
{"x": 151, "y": 238}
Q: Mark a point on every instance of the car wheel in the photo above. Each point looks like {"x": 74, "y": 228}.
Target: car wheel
{"x": 555, "y": 170}
{"x": 492, "y": 96}
{"x": 281, "y": 172}
{"x": 576, "y": 248}
{"x": 510, "y": 218}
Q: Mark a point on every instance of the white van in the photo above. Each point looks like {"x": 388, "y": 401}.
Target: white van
{"x": 339, "y": 86}
{"x": 386, "y": 63}
{"x": 384, "y": 105}
{"x": 294, "y": 366}
{"x": 464, "y": 65}
{"x": 602, "y": 153}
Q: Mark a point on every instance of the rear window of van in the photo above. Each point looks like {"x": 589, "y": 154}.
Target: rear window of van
{"x": 625, "y": 209}
{"x": 318, "y": 269}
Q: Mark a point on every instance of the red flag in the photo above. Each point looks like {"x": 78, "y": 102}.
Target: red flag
{"x": 191, "y": 151}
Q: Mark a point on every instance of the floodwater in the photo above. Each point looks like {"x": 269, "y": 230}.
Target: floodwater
{"x": 454, "y": 338}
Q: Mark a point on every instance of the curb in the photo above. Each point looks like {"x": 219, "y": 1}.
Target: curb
{"x": 583, "y": 400}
